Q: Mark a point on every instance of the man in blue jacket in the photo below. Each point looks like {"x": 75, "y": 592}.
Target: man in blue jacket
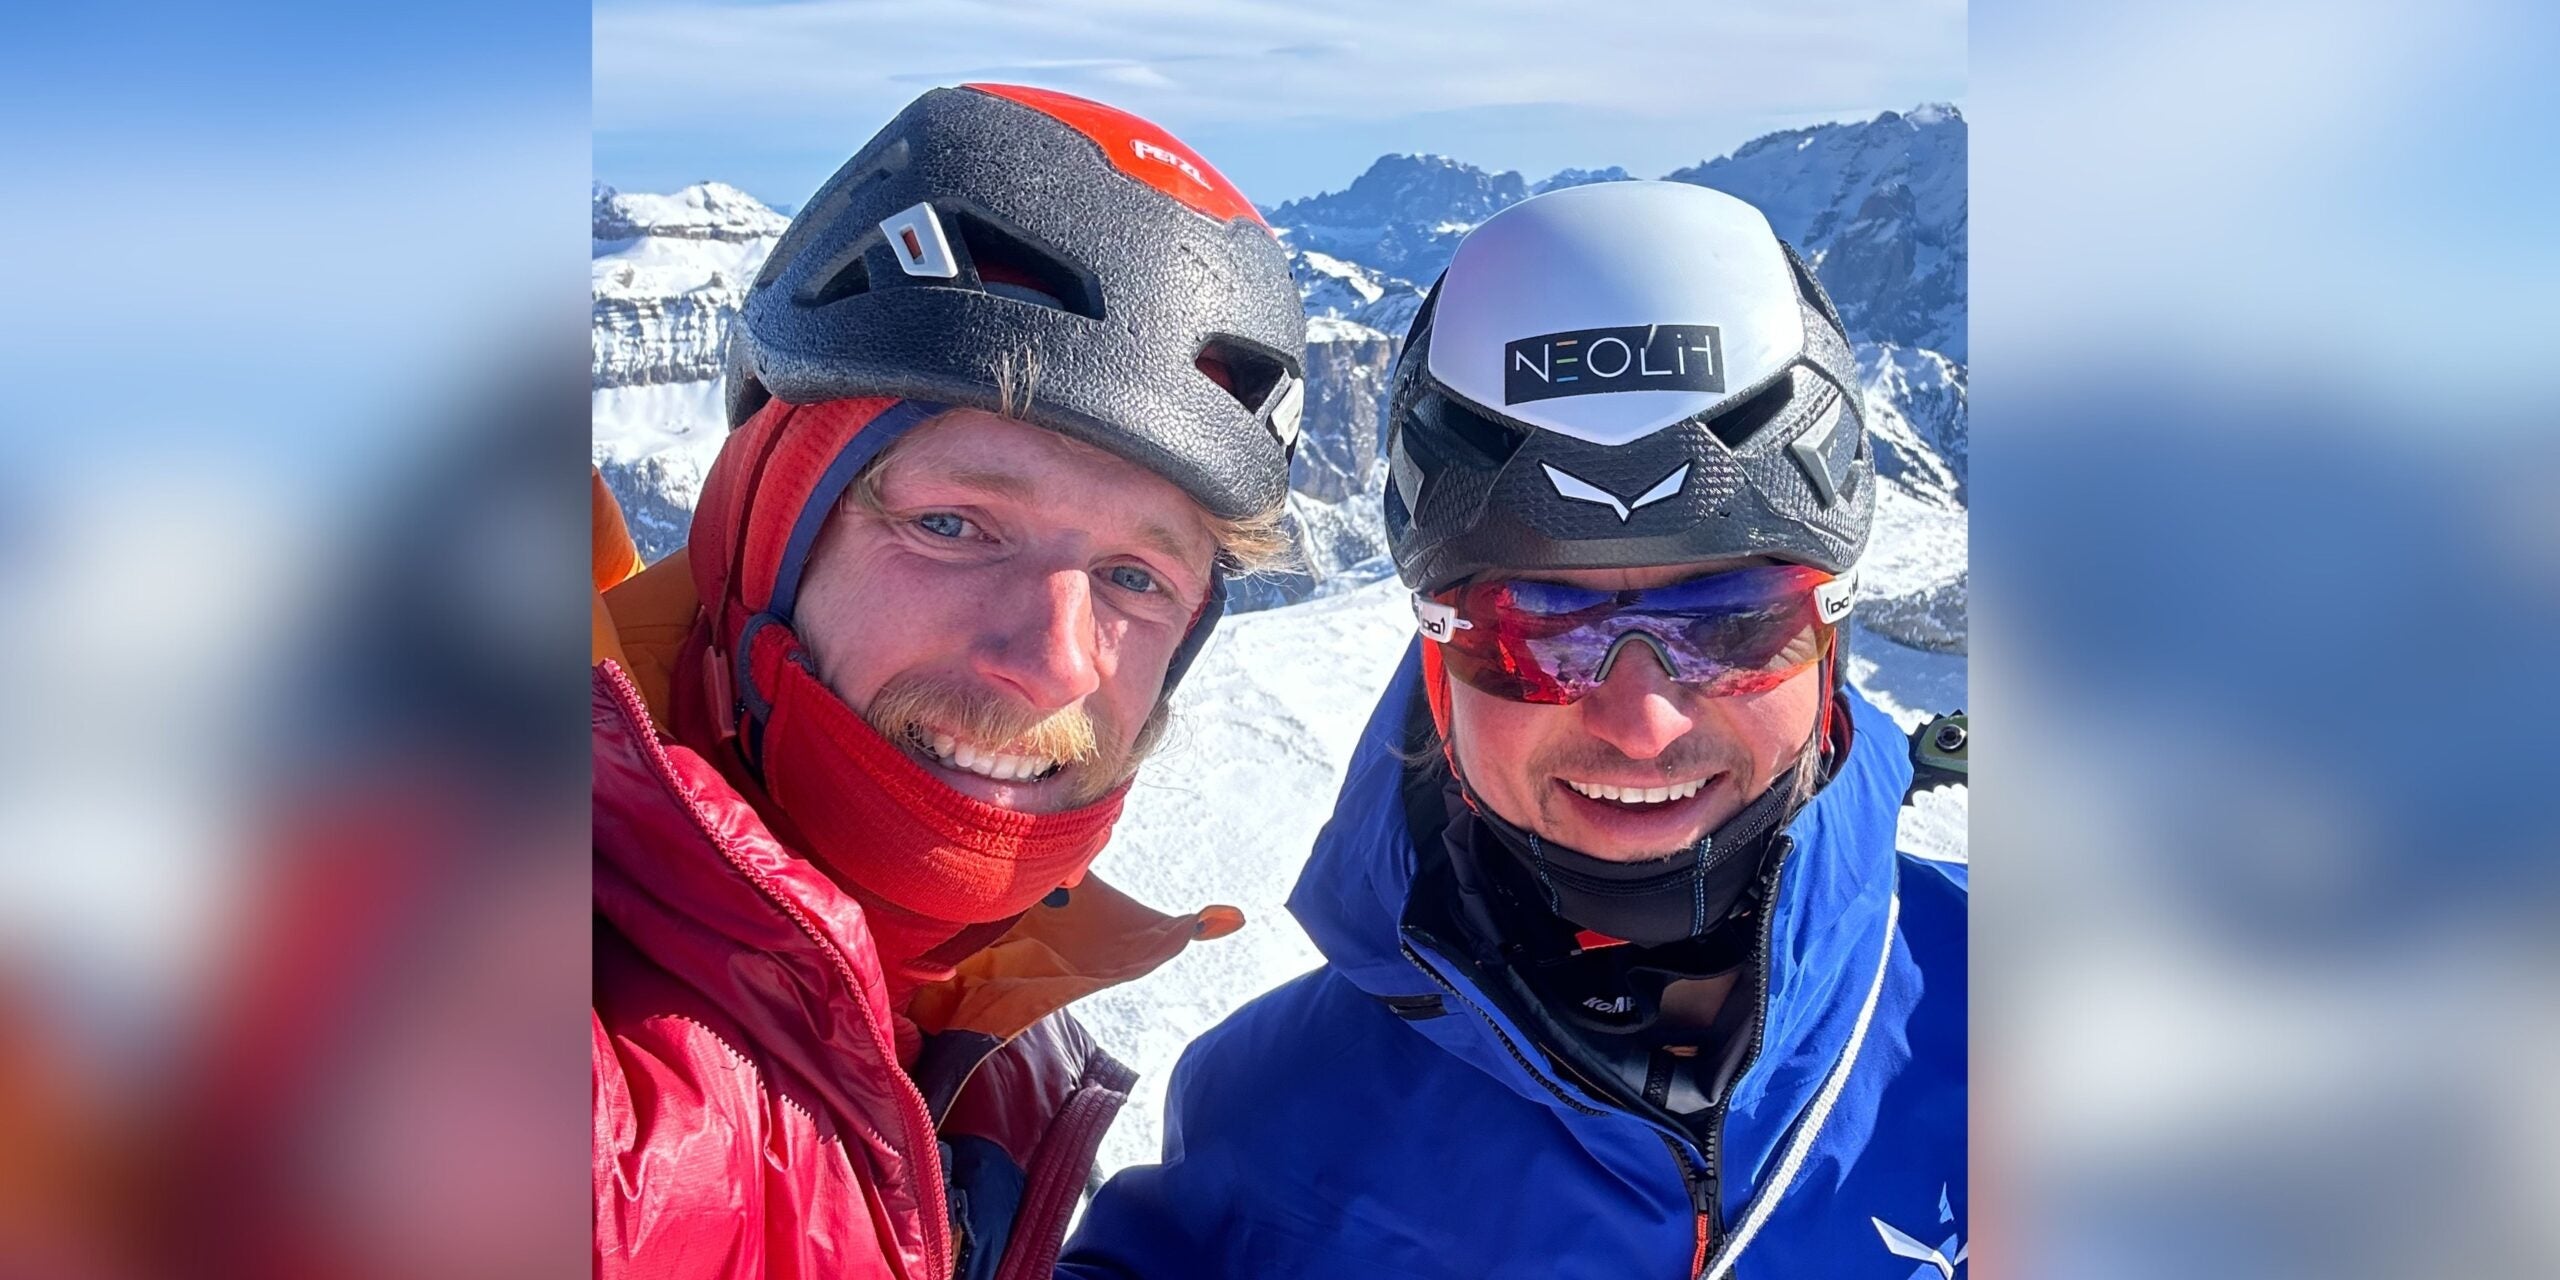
{"x": 1623, "y": 975}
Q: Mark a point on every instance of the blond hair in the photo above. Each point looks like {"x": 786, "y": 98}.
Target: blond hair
{"x": 1259, "y": 543}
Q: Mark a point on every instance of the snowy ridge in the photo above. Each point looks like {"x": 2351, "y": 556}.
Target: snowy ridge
{"x": 704, "y": 211}
{"x": 1563, "y": 178}
{"x": 1877, "y": 208}
{"x": 669, "y": 273}
{"x": 1404, "y": 216}
{"x": 1334, "y": 289}
{"x": 1921, "y": 393}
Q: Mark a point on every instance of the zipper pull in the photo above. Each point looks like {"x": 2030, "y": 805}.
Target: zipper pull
{"x": 1702, "y": 1200}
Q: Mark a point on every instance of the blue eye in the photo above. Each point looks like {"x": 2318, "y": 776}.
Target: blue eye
{"x": 942, "y": 524}
{"x": 1129, "y": 577}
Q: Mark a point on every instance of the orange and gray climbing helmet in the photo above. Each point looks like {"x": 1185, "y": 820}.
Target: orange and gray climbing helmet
{"x": 1038, "y": 255}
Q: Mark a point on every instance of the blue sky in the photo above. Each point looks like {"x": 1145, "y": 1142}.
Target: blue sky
{"x": 1288, "y": 99}
{"x": 269, "y": 232}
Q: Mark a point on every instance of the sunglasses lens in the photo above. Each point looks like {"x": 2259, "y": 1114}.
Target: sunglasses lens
{"x": 1548, "y": 643}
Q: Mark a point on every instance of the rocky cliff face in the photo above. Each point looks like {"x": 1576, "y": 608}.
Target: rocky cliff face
{"x": 669, "y": 274}
{"x": 646, "y": 334}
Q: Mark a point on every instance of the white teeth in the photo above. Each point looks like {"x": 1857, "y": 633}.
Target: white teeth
{"x": 1638, "y": 795}
{"x": 984, "y": 762}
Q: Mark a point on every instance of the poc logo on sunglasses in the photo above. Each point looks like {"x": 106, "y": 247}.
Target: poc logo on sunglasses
{"x": 1439, "y": 621}
{"x": 1832, "y": 600}
{"x": 1633, "y": 357}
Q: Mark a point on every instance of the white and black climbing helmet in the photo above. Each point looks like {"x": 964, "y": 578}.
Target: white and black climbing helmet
{"x": 1625, "y": 374}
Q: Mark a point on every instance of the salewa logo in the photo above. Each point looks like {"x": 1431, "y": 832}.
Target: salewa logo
{"x": 1944, "y": 1259}
{"x": 1813, "y": 451}
{"x": 1581, "y": 490}
{"x": 1149, "y": 151}
{"x": 1635, "y": 357}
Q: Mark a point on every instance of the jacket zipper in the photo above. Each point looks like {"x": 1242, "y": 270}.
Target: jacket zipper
{"x": 1073, "y": 1139}
{"x": 1700, "y": 1180}
{"x": 913, "y": 1116}
{"x": 1759, "y": 1006}
{"x": 1700, "y": 1183}
{"x": 1702, "y": 1200}
{"x": 1499, "y": 1034}
{"x": 1711, "y": 1215}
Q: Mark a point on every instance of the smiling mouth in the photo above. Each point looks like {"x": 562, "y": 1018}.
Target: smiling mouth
{"x": 1637, "y": 797}
{"x": 985, "y": 762}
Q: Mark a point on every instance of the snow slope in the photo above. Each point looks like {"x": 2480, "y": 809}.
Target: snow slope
{"x": 1227, "y": 811}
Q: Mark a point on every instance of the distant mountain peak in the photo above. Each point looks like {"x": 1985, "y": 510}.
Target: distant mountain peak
{"x": 1877, "y": 207}
{"x": 1580, "y": 178}
{"x": 703, "y": 211}
{"x": 1401, "y": 216}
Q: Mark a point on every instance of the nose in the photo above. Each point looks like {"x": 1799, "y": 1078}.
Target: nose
{"x": 1637, "y": 709}
{"x": 1042, "y": 641}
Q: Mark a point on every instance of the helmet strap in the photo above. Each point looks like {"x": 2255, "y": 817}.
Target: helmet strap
{"x": 1212, "y": 607}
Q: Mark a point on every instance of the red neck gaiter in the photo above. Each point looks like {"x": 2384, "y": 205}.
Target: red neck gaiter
{"x": 939, "y": 874}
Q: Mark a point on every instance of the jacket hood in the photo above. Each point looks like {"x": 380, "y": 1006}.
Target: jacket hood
{"x": 1829, "y": 923}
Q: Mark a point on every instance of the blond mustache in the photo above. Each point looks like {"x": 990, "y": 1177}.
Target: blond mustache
{"x": 1067, "y": 735}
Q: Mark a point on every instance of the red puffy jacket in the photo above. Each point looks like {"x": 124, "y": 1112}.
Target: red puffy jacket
{"x": 751, "y": 1117}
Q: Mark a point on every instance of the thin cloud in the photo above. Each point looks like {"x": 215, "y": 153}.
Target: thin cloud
{"x": 1281, "y": 87}
{"x": 660, "y": 63}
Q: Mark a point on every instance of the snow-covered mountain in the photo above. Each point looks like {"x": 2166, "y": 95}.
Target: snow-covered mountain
{"x": 669, "y": 274}
{"x": 1878, "y": 207}
{"x": 1578, "y": 178}
{"x": 1404, "y": 216}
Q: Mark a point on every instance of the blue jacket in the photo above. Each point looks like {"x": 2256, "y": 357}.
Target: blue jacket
{"x": 1384, "y": 1116}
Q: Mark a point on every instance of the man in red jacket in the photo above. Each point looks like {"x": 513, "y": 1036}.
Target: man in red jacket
{"x": 1009, "y": 400}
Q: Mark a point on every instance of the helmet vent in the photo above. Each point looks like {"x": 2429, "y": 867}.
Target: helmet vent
{"x": 850, "y": 279}
{"x": 830, "y": 204}
{"x": 1241, "y": 371}
{"x": 1745, "y": 420}
{"x": 1012, "y": 264}
{"x": 1454, "y": 429}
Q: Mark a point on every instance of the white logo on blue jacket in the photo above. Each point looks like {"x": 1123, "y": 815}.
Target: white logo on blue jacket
{"x": 1944, "y": 1259}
